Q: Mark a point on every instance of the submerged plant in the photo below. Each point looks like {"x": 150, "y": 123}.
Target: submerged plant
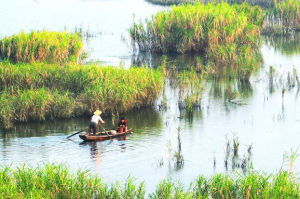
{"x": 190, "y": 91}
{"x": 232, "y": 157}
{"x": 236, "y": 145}
{"x": 177, "y": 154}
{"x": 283, "y": 18}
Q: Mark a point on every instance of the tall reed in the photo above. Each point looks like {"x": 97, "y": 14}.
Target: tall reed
{"x": 45, "y": 46}
{"x": 262, "y": 3}
{"x": 283, "y": 18}
{"x": 39, "y": 91}
{"x": 225, "y": 36}
{"x": 56, "y": 181}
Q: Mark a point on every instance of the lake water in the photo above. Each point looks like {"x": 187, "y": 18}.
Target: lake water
{"x": 268, "y": 117}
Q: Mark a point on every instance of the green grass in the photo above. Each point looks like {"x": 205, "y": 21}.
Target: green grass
{"x": 56, "y": 181}
{"x": 43, "y": 46}
{"x": 283, "y": 18}
{"x": 225, "y": 36}
{"x": 38, "y": 91}
{"x": 34, "y": 104}
{"x": 262, "y": 3}
{"x": 170, "y": 2}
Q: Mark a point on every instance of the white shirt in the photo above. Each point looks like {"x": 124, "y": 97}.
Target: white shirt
{"x": 96, "y": 119}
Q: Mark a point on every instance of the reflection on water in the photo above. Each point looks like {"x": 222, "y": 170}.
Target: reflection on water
{"x": 270, "y": 121}
{"x": 287, "y": 45}
{"x": 39, "y": 129}
{"x": 266, "y": 124}
{"x": 230, "y": 89}
{"x": 234, "y": 158}
{"x": 198, "y": 64}
{"x": 263, "y": 111}
{"x": 95, "y": 153}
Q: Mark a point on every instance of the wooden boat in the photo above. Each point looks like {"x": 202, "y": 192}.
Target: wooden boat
{"x": 101, "y": 136}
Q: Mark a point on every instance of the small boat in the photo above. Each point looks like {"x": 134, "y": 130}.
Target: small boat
{"x": 101, "y": 136}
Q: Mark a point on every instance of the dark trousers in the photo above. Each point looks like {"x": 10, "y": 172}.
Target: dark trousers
{"x": 93, "y": 128}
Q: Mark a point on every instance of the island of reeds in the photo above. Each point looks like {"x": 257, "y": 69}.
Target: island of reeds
{"x": 226, "y": 36}
{"x": 56, "y": 181}
{"x": 43, "y": 46}
{"x": 282, "y": 16}
{"x": 40, "y": 79}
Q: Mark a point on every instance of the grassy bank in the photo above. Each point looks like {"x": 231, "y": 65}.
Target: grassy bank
{"x": 225, "y": 36}
{"x": 56, "y": 181}
{"x": 43, "y": 46}
{"x": 39, "y": 91}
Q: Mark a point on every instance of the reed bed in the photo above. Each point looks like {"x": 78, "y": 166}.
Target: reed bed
{"x": 43, "y": 46}
{"x": 170, "y": 2}
{"x": 34, "y": 104}
{"x": 38, "y": 91}
{"x": 262, "y": 3}
{"x": 283, "y": 18}
{"x": 226, "y": 36}
{"x": 56, "y": 181}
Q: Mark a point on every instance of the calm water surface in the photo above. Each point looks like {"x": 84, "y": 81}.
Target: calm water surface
{"x": 267, "y": 119}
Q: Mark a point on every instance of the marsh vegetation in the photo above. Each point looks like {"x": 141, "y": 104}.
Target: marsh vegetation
{"x": 211, "y": 81}
{"x": 283, "y": 18}
{"x": 56, "y": 181}
{"x": 224, "y": 35}
{"x": 41, "y": 46}
{"x": 38, "y": 91}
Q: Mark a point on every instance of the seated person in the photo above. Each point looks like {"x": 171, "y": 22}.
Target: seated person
{"x": 122, "y": 126}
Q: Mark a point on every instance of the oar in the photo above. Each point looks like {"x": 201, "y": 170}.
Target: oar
{"x": 75, "y": 133}
{"x": 105, "y": 131}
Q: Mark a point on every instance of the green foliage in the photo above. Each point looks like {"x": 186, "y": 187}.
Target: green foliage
{"x": 34, "y": 104}
{"x": 283, "y": 18}
{"x": 39, "y": 91}
{"x": 226, "y": 36}
{"x": 50, "y": 47}
{"x": 56, "y": 181}
{"x": 262, "y": 3}
{"x": 170, "y": 2}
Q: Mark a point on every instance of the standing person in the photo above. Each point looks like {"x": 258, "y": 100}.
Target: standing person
{"x": 95, "y": 122}
{"x": 122, "y": 126}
